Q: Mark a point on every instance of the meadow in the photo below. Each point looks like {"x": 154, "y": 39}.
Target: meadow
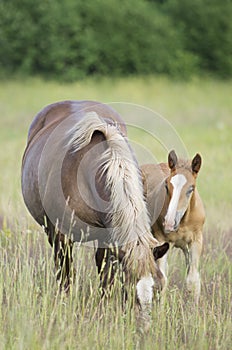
{"x": 33, "y": 314}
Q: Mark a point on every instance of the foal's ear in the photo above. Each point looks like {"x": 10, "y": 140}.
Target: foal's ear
{"x": 159, "y": 251}
{"x": 196, "y": 163}
{"x": 172, "y": 160}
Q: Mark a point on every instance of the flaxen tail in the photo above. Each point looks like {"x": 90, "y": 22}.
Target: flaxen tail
{"x": 127, "y": 211}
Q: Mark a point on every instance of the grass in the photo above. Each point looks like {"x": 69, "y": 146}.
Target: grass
{"x": 33, "y": 314}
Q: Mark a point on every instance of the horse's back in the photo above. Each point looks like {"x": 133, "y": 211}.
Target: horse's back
{"x": 48, "y": 115}
{"x": 55, "y": 113}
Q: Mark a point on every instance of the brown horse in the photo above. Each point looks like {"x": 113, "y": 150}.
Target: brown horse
{"x": 81, "y": 181}
{"x": 177, "y": 211}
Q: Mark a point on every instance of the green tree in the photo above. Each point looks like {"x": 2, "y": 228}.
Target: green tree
{"x": 206, "y": 27}
{"x": 71, "y": 39}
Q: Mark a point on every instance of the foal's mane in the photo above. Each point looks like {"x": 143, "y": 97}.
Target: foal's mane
{"x": 183, "y": 163}
{"x": 128, "y": 212}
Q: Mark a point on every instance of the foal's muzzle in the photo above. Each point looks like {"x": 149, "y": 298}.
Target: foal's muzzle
{"x": 174, "y": 226}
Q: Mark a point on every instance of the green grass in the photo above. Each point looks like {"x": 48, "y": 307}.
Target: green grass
{"x": 33, "y": 314}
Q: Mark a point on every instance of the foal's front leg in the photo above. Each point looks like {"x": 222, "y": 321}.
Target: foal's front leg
{"x": 163, "y": 266}
{"x": 192, "y": 255}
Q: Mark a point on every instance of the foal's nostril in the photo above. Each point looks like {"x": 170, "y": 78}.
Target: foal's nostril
{"x": 176, "y": 225}
{"x": 179, "y": 216}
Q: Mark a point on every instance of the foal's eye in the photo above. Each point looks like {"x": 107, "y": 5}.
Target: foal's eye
{"x": 190, "y": 190}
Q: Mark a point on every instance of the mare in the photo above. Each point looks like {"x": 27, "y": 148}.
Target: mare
{"x": 81, "y": 182}
{"x": 177, "y": 211}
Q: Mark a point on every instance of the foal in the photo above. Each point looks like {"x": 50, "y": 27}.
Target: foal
{"x": 177, "y": 211}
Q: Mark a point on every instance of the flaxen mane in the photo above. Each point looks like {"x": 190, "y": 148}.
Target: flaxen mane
{"x": 127, "y": 212}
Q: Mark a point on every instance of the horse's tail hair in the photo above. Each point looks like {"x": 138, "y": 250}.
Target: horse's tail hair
{"x": 82, "y": 132}
{"x": 128, "y": 213}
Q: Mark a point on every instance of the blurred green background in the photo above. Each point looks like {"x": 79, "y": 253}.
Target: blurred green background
{"x": 69, "y": 40}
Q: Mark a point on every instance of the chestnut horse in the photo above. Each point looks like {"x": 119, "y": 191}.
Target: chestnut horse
{"x": 176, "y": 211}
{"x": 81, "y": 181}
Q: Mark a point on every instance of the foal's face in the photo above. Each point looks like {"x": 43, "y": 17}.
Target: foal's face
{"x": 180, "y": 186}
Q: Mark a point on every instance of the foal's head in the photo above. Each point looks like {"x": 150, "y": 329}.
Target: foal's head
{"x": 180, "y": 186}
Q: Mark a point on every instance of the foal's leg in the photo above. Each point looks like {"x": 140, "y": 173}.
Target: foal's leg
{"x": 192, "y": 256}
{"x": 163, "y": 266}
{"x": 62, "y": 246}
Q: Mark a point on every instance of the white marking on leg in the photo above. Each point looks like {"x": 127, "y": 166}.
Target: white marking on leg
{"x": 144, "y": 290}
{"x": 194, "y": 283}
{"x": 193, "y": 278}
{"x": 163, "y": 266}
{"x": 178, "y": 182}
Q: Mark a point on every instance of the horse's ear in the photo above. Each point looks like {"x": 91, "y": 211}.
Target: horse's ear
{"x": 172, "y": 160}
{"x": 159, "y": 251}
{"x": 196, "y": 163}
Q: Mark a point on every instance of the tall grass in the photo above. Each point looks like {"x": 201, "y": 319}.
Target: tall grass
{"x": 33, "y": 313}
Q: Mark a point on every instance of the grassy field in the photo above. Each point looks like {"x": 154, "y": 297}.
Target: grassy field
{"x": 33, "y": 314}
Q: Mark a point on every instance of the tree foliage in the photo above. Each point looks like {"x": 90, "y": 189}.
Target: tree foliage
{"x": 206, "y": 27}
{"x": 75, "y": 38}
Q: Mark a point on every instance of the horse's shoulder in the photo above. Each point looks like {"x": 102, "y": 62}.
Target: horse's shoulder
{"x": 58, "y": 111}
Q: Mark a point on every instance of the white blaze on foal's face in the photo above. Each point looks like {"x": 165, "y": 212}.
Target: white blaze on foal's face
{"x": 177, "y": 181}
{"x": 144, "y": 290}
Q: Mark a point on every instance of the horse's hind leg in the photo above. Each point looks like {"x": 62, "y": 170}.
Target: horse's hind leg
{"x": 62, "y": 246}
{"x": 105, "y": 262}
{"x": 63, "y": 260}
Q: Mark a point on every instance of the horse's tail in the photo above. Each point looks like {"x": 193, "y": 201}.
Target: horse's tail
{"x": 128, "y": 212}
{"x": 82, "y": 132}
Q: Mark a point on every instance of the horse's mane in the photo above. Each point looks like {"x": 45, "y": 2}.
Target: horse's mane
{"x": 127, "y": 212}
